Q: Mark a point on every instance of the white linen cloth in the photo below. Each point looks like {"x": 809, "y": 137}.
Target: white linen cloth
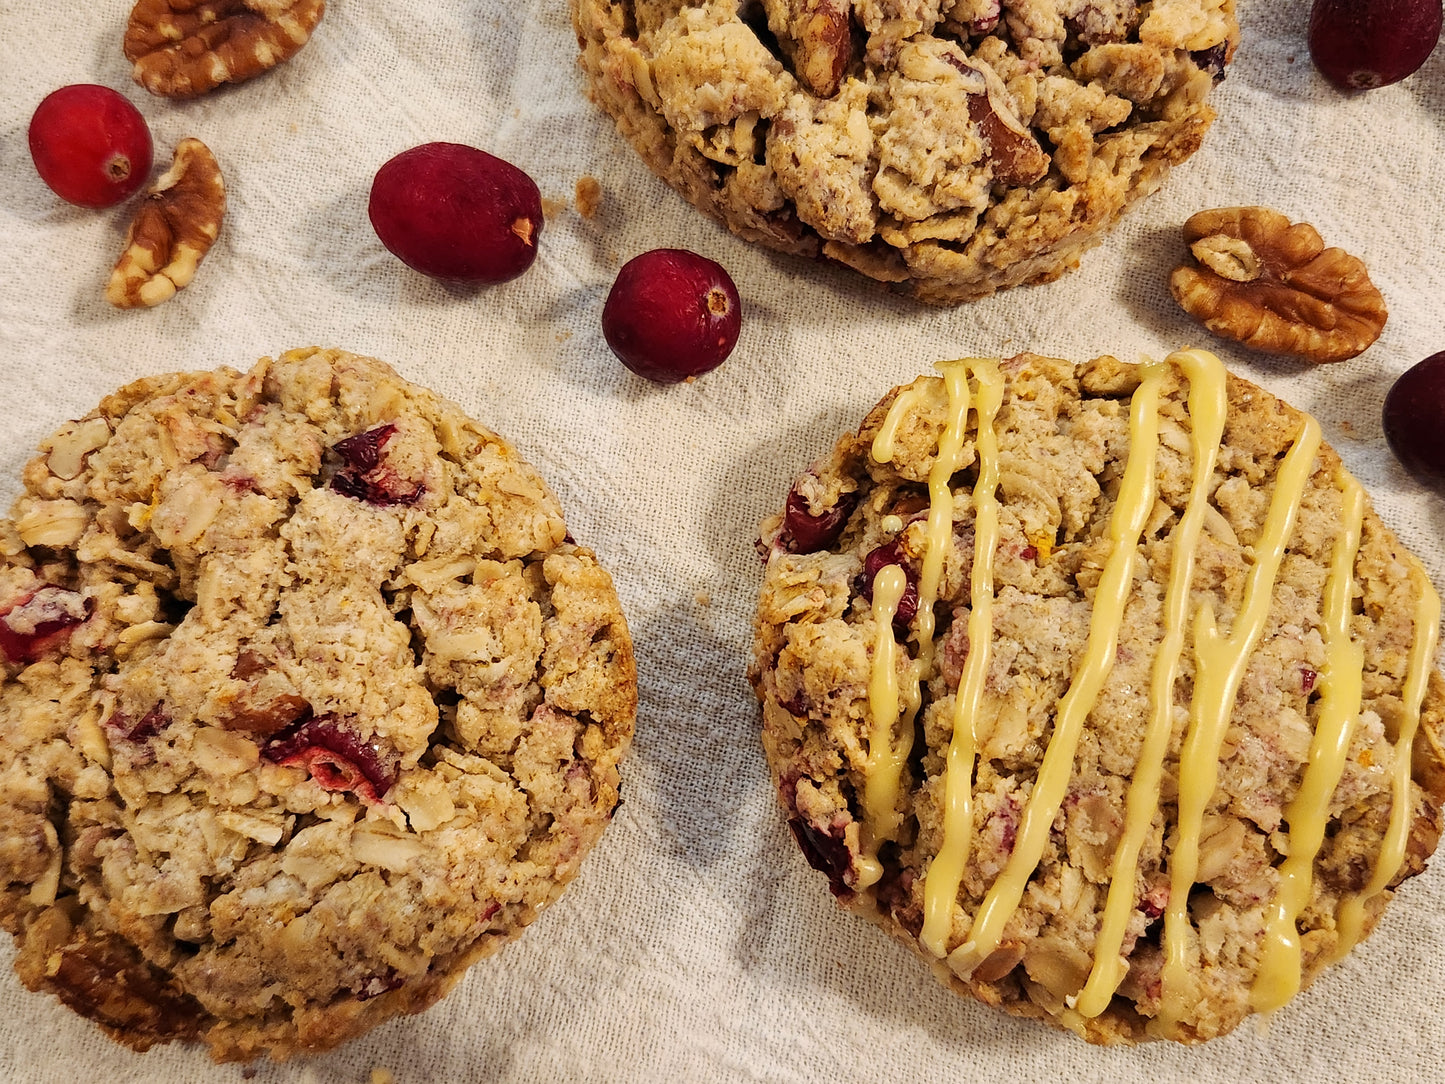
{"x": 696, "y": 945}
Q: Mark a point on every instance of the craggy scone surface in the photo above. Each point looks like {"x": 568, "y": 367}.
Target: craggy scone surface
{"x": 1104, "y": 762}
{"x": 952, "y": 149}
{"x": 309, "y": 701}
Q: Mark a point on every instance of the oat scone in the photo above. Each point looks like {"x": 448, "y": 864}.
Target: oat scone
{"x": 950, "y": 150}
{"x": 1103, "y": 688}
{"x": 309, "y": 702}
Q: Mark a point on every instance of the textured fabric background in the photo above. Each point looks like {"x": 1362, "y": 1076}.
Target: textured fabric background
{"x": 696, "y": 945}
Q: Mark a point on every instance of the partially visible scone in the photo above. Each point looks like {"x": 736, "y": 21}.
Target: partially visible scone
{"x": 309, "y": 701}
{"x": 1103, "y": 688}
{"x": 949, "y": 149}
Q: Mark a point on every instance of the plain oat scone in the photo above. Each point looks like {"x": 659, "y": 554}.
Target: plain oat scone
{"x": 950, "y": 149}
{"x": 1103, "y": 688}
{"x": 309, "y": 701}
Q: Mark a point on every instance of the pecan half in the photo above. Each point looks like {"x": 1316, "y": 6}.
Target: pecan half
{"x": 1014, "y": 153}
{"x": 172, "y": 232}
{"x": 183, "y": 48}
{"x": 1273, "y": 286}
{"x": 824, "y": 44}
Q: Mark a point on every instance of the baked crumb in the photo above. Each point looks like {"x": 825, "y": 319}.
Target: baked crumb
{"x": 589, "y": 196}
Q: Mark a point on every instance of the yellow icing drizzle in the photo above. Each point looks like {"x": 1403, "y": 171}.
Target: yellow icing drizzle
{"x": 887, "y": 435}
{"x": 1207, "y": 409}
{"x": 1350, "y": 921}
{"x": 885, "y": 756}
{"x": 1131, "y": 511}
{"x": 1341, "y": 690}
{"x": 940, "y": 888}
{"x": 878, "y": 796}
{"x": 1220, "y": 663}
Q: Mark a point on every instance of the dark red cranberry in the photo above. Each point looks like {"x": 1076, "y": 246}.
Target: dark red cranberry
{"x": 804, "y": 532}
{"x": 376, "y": 985}
{"x": 456, "y": 212}
{"x": 364, "y": 477}
{"x": 40, "y": 622}
{"x": 1211, "y": 60}
{"x": 1361, "y": 44}
{"x": 335, "y": 756}
{"x": 90, "y": 145}
{"x": 826, "y": 852}
{"x": 1414, "y": 420}
{"x": 143, "y": 729}
{"x": 875, "y": 562}
{"x": 671, "y": 315}
{"x": 1307, "y": 678}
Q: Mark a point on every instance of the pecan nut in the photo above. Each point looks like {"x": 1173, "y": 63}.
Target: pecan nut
{"x": 183, "y": 48}
{"x": 172, "y": 232}
{"x": 824, "y": 44}
{"x": 1013, "y": 151}
{"x": 1273, "y": 286}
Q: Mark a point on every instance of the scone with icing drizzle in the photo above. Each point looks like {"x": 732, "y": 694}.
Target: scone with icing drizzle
{"x": 1103, "y": 688}
{"x": 948, "y": 149}
{"x": 309, "y": 701}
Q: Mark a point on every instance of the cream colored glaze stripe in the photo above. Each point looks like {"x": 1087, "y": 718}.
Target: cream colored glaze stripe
{"x": 888, "y": 588}
{"x": 886, "y": 755}
{"x": 1341, "y": 690}
{"x": 1207, "y": 410}
{"x": 903, "y": 402}
{"x": 1351, "y": 919}
{"x": 1219, "y": 667}
{"x": 945, "y": 874}
{"x": 939, "y": 532}
{"x": 1131, "y": 511}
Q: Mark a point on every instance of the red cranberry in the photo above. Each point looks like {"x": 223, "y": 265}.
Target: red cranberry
{"x": 455, "y": 212}
{"x": 39, "y": 622}
{"x": 672, "y": 315}
{"x": 875, "y": 562}
{"x": 827, "y": 852}
{"x": 147, "y": 726}
{"x": 364, "y": 477}
{"x": 804, "y": 532}
{"x": 335, "y": 756}
{"x": 90, "y": 145}
{"x": 1414, "y": 420}
{"x": 1360, "y": 44}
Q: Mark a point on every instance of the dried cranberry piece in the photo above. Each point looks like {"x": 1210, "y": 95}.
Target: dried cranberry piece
{"x": 376, "y": 985}
{"x": 365, "y": 478}
{"x": 826, "y": 852}
{"x": 875, "y": 562}
{"x": 335, "y": 756}
{"x": 1307, "y": 678}
{"x": 40, "y": 621}
{"x": 148, "y": 726}
{"x": 1211, "y": 60}
{"x": 804, "y": 532}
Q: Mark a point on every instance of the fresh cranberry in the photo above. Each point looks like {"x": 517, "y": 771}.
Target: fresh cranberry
{"x": 456, "y": 212}
{"x": 804, "y": 532}
{"x": 39, "y": 622}
{"x": 672, "y": 315}
{"x": 364, "y": 477}
{"x": 1361, "y": 44}
{"x": 1414, "y": 420}
{"x": 335, "y": 756}
{"x": 875, "y": 562}
{"x": 90, "y": 145}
